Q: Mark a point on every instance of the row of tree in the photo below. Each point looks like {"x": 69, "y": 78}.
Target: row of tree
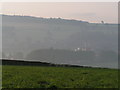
{"x": 18, "y": 55}
{"x": 57, "y": 55}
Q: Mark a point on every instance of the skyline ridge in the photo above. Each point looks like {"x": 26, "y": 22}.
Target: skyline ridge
{"x": 58, "y": 18}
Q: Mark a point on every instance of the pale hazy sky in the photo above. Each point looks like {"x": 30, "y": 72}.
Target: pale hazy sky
{"x": 91, "y": 12}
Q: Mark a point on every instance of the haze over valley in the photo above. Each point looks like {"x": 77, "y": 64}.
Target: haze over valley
{"x": 61, "y": 37}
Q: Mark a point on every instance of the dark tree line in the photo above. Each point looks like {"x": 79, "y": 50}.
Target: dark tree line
{"x": 52, "y": 55}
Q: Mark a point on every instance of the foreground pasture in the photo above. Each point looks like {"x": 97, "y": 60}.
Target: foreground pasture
{"x": 58, "y": 77}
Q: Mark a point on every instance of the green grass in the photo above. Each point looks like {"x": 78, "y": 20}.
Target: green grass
{"x": 58, "y": 77}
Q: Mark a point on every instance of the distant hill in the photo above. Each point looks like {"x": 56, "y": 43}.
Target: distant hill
{"x": 22, "y": 33}
{"x": 26, "y": 34}
{"x": 30, "y": 19}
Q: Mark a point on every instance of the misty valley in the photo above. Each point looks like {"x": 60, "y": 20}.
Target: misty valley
{"x": 60, "y": 40}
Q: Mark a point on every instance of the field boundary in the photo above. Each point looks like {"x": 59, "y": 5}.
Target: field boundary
{"x": 38, "y": 63}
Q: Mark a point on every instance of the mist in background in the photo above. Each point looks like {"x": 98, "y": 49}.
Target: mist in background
{"x": 62, "y": 33}
{"x": 60, "y": 40}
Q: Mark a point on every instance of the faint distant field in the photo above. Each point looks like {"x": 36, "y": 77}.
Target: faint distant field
{"x": 58, "y": 77}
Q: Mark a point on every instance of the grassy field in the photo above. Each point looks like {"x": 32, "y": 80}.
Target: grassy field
{"x": 58, "y": 77}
